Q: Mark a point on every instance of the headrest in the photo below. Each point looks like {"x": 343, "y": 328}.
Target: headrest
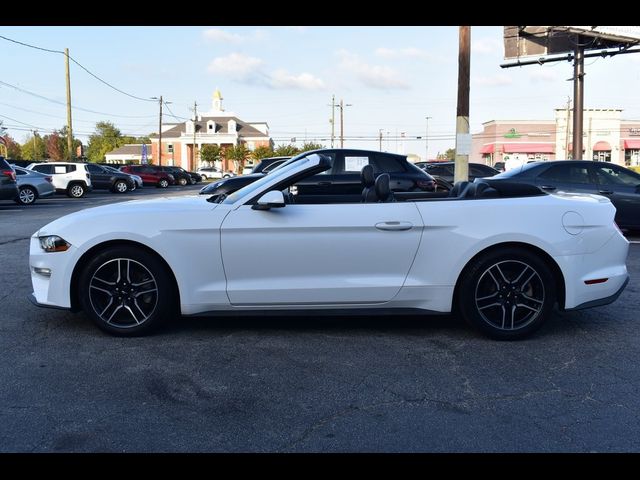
{"x": 366, "y": 176}
{"x": 382, "y": 186}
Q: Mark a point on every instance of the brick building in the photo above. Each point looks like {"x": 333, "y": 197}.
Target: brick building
{"x": 213, "y": 127}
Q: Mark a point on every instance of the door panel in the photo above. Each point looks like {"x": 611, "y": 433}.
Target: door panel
{"x": 319, "y": 254}
{"x": 622, "y": 188}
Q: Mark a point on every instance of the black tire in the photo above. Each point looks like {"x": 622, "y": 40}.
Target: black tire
{"x": 182, "y": 181}
{"x": 26, "y": 196}
{"x": 507, "y": 294}
{"x": 127, "y": 291}
{"x": 120, "y": 186}
{"x": 76, "y": 190}
{"x": 192, "y": 181}
{"x": 226, "y": 176}
{"x": 163, "y": 183}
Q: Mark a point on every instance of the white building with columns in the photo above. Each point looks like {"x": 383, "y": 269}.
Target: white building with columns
{"x": 213, "y": 127}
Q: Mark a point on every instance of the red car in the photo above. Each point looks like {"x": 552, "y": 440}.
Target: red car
{"x": 150, "y": 174}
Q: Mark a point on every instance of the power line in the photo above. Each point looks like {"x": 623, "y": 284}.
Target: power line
{"x": 80, "y": 65}
{"x": 171, "y": 114}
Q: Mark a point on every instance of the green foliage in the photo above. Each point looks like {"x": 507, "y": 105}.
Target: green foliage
{"x": 286, "y": 151}
{"x": 75, "y": 144}
{"x": 210, "y": 153}
{"x": 450, "y": 154}
{"x": 310, "y": 146}
{"x": 239, "y": 154}
{"x": 13, "y": 148}
{"x": 34, "y": 148}
{"x": 261, "y": 152}
{"x": 105, "y": 138}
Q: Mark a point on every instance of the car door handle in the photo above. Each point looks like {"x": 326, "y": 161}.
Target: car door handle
{"x": 394, "y": 226}
{"x": 548, "y": 187}
{"x": 324, "y": 184}
{"x": 605, "y": 192}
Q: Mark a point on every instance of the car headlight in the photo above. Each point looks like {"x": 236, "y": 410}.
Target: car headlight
{"x": 54, "y": 243}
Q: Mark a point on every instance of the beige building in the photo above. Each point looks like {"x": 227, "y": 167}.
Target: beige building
{"x": 607, "y": 137}
{"x": 213, "y": 127}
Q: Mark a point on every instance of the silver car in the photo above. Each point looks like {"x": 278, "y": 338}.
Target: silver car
{"x": 32, "y": 185}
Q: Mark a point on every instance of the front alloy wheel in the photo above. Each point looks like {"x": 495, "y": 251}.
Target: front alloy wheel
{"x": 126, "y": 291}
{"x": 508, "y": 295}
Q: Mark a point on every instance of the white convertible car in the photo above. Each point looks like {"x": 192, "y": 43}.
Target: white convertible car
{"x": 498, "y": 254}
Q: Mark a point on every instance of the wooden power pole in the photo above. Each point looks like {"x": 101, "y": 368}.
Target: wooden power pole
{"x": 69, "y": 129}
{"x": 463, "y": 140}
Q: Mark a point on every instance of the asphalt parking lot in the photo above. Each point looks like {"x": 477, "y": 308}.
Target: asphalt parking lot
{"x": 307, "y": 384}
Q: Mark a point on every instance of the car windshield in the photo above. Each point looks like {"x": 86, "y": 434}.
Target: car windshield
{"x": 517, "y": 170}
{"x": 278, "y": 173}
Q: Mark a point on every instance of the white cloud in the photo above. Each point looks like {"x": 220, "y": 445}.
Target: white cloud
{"x": 297, "y": 28}
{"x": 408, "y": 52}
{"x": 304, "y": 81}
{"x": 224, "y": 36}
{"x": 236, "y": 65}
{"x": 542, "y": 75}
{"x": 374, "y": 76}
{"x": 494, "y": 81}
{"x": 486, "y": 46}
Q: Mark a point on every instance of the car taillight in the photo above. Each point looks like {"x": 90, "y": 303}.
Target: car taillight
{"x": 9, "y": 173}
{"x": 49, "y": 179}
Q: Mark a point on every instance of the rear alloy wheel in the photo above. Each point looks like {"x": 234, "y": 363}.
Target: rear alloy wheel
{"x": 182, "y": 181}
{"x": 26, "y": 196}
{"x": 163, "y": 183}
{"x": 127, "y": 291}
{"x": 507, "y": 294}
{"x": 120, "y": 186}
{"x": 76, "y": 190}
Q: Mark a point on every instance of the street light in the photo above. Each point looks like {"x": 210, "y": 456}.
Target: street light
{"x": 426, "y": 141}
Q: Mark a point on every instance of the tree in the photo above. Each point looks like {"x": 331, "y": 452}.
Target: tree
{"x": 74, "y": 145}
{"x": 13, "y": 148}
{"x": 105, "y": 138}
{"x": 53, "y": 142}
{"x": 34, "y": 148}
{"x": 450, "y": 154}
{"x": 306, "y": 146}
{"x": 261, "y": 152}
{"x": 210, "y": 153}
{"x": 286, "y": 151}
{"x": 239, "y": 154}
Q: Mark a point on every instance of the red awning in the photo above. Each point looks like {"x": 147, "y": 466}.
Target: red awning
{"x": 491, "y": 148}
{"x": 602, "y": 146}
{"x": 528, "y": 148}
{"x": 632, "y": 144}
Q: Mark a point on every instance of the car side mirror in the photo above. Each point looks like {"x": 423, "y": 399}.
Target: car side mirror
{"x": 272, "y": 199}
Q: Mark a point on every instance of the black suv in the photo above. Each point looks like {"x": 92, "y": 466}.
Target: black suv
{"x": 445, "y": 170}
{"x": 181, "y": 175}
{"x": 8, "y": 184}
{"x": 101, "y": 178}
{"x": 341, "y": 183}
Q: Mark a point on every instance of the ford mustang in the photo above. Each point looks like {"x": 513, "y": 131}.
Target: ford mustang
{"x": 500, "y": 255}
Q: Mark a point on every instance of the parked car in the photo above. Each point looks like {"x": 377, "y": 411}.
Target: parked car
{"x": 445, "y": 170}
{"x": 180, "y": 175}
{"x": 32, "y": 185}
{"x": 104, "y": 179}
{"x": 73, "y": 179}
{"x": 619, "y": 184}
{"x": 500, "y": 255}
{"x": 342, "y": 181}
{"x": 8, "y": 184}
{"x": 137, "y": 179}
{"x": 213, "y": 172}
{"x": 267, "y": 164}
{"x": 150, "y": 174}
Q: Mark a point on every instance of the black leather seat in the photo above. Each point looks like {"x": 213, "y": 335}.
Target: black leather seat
{"x": 469, "y": 191}
{"x": 383, "y": 190}
{"x": 484, "y": 190}
{"x": 368, "y": 180}
{"x": 457, "y": 189}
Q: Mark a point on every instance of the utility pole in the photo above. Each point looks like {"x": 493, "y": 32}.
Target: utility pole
{"x": 69, "y": 129}
{"x": 34, "y": 144}
{"x": 193, "y": 149}
{"x": 380, "y": 139}
{"x": 426, "y": 141}
{"x": 566, "y": 137}
{"x": 578, "y": 99}
{"x": 342, "y": 105}
{"x": 160, "y": 135}
{"x": 463, "y": 140}
{"x": 333, "y": 118}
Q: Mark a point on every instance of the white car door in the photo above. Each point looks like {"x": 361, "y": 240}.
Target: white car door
{"x": 319, "y": 254}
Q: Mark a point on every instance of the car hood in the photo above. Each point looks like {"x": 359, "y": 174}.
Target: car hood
{"x": 129, "y": 214}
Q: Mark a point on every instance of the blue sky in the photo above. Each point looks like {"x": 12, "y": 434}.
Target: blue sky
{"x": 394, "y": 77}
